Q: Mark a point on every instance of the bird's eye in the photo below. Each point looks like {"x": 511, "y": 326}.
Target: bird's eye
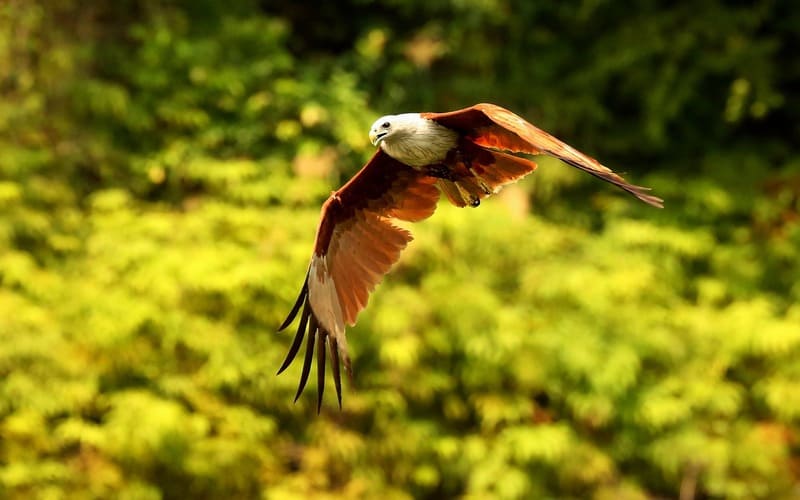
{"x": 386, "y": 125}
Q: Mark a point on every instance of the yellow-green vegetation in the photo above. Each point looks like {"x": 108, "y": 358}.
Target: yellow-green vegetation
{"x": 162, "y": 165}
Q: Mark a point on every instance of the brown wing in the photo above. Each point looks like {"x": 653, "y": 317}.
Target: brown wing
{"x": 496, "y": 127}
{"x": 356, "y": 245}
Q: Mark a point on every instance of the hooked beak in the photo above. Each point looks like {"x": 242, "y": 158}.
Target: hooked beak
{"x": 376, "y": 137}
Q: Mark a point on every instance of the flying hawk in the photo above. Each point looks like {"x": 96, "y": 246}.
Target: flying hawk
{"x": 463, "y": 154}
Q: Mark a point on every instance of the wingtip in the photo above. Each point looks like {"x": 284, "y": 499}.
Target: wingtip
{"x": 337, "y": 377}
{"x": 298, "y": 338}
{"x": 653, "y": 201}
{"x": 301, "y": 298}
{"x": 320, "y": 340}
{"x": 312, "y": 334}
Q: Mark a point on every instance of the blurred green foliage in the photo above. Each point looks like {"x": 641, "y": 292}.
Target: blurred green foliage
{"x": 162, "y": 168}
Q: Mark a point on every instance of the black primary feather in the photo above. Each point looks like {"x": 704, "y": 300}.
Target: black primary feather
{"x": 298, "y": 338}
{"x": 312, "y": 334}
{"x": 309, "y": 324}
{"x": 337, "y": 377}
{"x": 296, "y": 307}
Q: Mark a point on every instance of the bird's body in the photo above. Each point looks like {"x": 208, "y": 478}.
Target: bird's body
{"x": 465, "y": 155}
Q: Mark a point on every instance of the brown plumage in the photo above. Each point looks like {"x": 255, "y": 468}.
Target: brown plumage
{"x": 465, "y": 155}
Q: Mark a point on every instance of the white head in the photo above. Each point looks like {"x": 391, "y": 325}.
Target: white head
{"x": 393, "y": 127}
{"x": 412, "y": 139}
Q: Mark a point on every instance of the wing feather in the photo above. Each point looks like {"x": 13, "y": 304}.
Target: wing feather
{"x": 337, "y": 379}
{"x": 492, "y": 126}
{"x": 356, "y": 245}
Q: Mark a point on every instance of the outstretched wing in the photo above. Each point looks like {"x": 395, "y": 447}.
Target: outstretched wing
{"x": 496, "y": 127}
{"x": 356, "y": 245}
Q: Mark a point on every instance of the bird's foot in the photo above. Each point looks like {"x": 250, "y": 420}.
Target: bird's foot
{"x": 440, "y": 171}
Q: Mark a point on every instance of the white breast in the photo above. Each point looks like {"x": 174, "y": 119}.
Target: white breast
{"x": 417, "y": 141}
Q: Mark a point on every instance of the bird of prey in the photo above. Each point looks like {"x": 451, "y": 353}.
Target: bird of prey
{"x": 466, "y": 154}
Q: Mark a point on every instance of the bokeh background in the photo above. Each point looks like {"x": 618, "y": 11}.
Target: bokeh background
{"x": 162, "y": 165}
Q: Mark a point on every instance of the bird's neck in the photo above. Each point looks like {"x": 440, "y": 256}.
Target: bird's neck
{"x": 423, "y": 142}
